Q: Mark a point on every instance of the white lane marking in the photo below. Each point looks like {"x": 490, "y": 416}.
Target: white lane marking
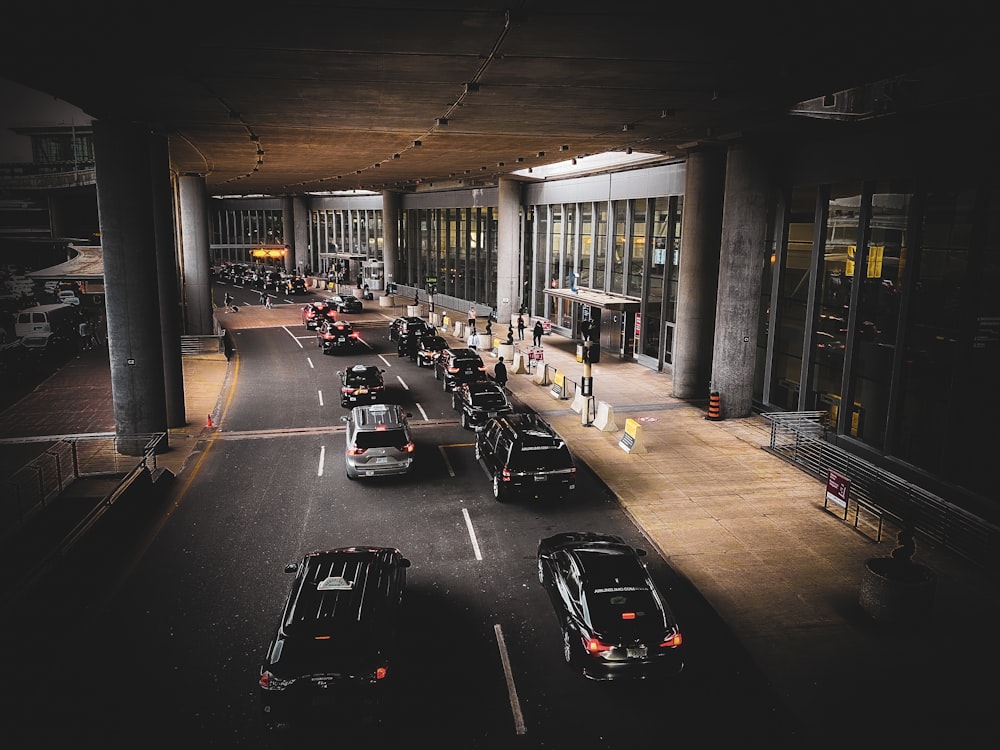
{"x": 387, "y": 362}
{"x": 294, "y": 337}
{"x": 320, "y": 397}
{"x": 472, "y": 533}
{"x": 422, "y": 411}
{"x": 310, "y": 361}
{"x": 447, "y": 463}
{"x": 402, "y": 382}
{"x": 515, "y": 704}
{"x": 322, "y": 460}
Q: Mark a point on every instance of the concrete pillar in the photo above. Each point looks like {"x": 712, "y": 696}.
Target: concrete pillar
{"x": 390, "y": 237}
{"x": 698, "y": 275}
{"x": 508, "y": 248}
{"x": 744, "y": 233}
{"x": 195, "y": 254}
{"x": 125, "y": 207}
{"x": 167, "y": 280}
{"x": 289, "y": 260}
{"x": 300, "y": 234}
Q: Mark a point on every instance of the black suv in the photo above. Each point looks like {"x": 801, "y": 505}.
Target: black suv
{"x": 458, "y": 365}
{"x": 336, "y": 335}
{"x": 400, "y": 328}
{"x": 346, "y": 303}
{"x": 525, "y": 457}
{"x": 480, "y": 401}
{"x": 333, "y": 650}
{"x": 361, "y": 384}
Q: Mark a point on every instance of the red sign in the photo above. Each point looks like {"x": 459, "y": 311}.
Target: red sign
{"x": 837, "y": 488}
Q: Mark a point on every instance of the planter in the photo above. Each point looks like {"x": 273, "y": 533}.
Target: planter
{"x": 896, "y": 591}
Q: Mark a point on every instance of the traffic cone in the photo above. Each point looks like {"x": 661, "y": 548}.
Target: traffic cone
{"x": 208, "y": 423}
{"x": 714, "y": 407}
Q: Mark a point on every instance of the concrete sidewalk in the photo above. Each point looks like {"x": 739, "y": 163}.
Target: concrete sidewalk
{"x": 745, "y": 528}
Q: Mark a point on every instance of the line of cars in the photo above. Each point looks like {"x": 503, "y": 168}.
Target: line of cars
{"x": 335, "y": 649}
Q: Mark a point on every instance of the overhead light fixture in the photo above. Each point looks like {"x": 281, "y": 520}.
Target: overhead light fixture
{"x": 395, "y": 156}
{"x": 378, "y": 164}
{"x": 520, "y": 159}
{"x": 254, "y": 138}
{"x": 471, "y": 86}
{"x": 540, "y": 154}
{"x": 417, "y": 143}
{"x": 499, "y": 163}
{"x": 627, "y": 127}
{"x": 441, "y": 121}
{"x": 628, "y": 150}
{"x": 564, "y": 147}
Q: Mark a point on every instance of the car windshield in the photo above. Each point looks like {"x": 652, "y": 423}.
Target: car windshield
{"x": 381, "y": 439}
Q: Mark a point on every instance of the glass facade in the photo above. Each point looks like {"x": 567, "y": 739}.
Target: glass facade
{"x": 237, "y": 233}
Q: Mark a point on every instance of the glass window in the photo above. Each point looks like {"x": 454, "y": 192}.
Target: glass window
{"x": 586, "y": 243}
{"x": 638, "y": 248}
{"x": 600, "y": 248}
{"x": 619, "y": 251}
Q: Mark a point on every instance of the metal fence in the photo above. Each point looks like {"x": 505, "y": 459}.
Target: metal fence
{"x": 31, "y": 488}
{"x": 203, "y": 344}
{"x": 800, "y": 438}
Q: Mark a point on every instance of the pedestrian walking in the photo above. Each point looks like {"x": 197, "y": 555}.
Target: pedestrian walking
{"x": 267, "y": 301}
{"x": 263, "y": 298}
{"x": 227, "y": 301}
{"x": 500, "y": 373}
{"x": 536, "y": 333}
{"x": 520, "y": 327}
{"x": 472, "y": 318}
{"x": 84, "y": 330}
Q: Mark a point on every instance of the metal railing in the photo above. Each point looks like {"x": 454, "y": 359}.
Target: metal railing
{"x": 202, "y": 345}
{"x": 30, "y": 489}
{"x": 800, "y": 438}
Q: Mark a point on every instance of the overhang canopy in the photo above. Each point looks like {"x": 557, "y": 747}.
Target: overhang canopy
{"x": 594, "y": 298}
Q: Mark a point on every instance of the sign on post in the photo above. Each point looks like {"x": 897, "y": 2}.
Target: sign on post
{"x": 837, "y": 488}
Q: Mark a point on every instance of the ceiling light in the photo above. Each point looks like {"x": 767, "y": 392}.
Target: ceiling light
{"x": 499, "y": 163}
{"x": 395, "y": 156}
{"x": 417, "y": 143}
{"x": 540, "y": 154}
{"x": 628, "y": 150}
{"x": 564, "y": 147}
{"x": 471, "y": 86}
{"x": 441, "y": 121}
{"x": 627, "y": 127}
{"x": 520, "y": 159}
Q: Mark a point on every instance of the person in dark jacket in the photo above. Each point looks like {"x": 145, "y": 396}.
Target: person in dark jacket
{"x": 536, "y": 333}
{"x": 500, "y": 373}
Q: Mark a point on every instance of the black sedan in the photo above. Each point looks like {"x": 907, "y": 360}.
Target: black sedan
{"x": 335, "y": 336}
{"x": 361, "y": 384}
{"x": 346, "y": 303}
{"x": 430, "y": 348}
{"x": 478, "y": 402}
{"x": 615, "y": 623}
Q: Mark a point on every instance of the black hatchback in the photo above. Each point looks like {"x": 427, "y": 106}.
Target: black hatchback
{"x": 333, "y": 652}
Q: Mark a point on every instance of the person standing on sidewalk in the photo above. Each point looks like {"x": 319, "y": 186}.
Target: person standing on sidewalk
{"x": 520, "y": 327}
{"x": 536, "y": 333}
{"x": 500, "y": 373}
{"x": 472, "y": 318}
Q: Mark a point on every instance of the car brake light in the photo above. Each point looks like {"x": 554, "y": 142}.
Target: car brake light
{"x": 673, "y": 641}
{"x": 505, "y": 475}
{"x": 628, "y": 615}
{"x": 408, "y": 448}
{"x": 452, "y": 369}
{"x": 594, "y": 646}
{"x": 265, "y": 679}
{"x": 381, "y": 672}
{"x": 356, "y": 451}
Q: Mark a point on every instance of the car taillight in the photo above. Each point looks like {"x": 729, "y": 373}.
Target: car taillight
{"x": 505, "y": 475}
{"x": 356, "y": 451}
{"x": 594, "y": 646}
{"x": 268, "y": 681}
{"x": 452, "y": 369}
{"x": 381, "y": 672}
{"x": 408, "y": 448}
{"x": 628, "y": 615}
{"x": 673, "y": 640}
{"x": 346, "y": 389}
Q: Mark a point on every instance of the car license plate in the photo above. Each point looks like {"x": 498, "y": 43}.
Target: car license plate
{"x": 636, "y": 653}
{"x": 491, "y": 414}
{"x": 362, "y": 391}
{"x": 341, "y": 339}
{"x": 382, "y": 460}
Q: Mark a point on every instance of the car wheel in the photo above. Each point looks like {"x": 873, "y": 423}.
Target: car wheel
{"x": 498, "y": 493}
{"x": 465, "y": 420}
{"x": 479, "y": 453}
{"x": 351, "y": 476}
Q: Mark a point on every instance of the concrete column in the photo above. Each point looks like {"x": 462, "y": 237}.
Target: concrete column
{"x": 390, "y": 236}
{"x": 300, "y": 233}
{"x": 508, "y": 248}
{"x": 195, "y": 256}
{"x": 167, "y": 280}
{"x": 125, "y": 207}
{"x": 698, "y": 275}
{"x": 288, "y": 225}
{"x": 744, "y": 233}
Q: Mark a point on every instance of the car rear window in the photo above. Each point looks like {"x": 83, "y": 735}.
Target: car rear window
{"x": 488, "y": 399}
{"x": 381, "y": 439}
{"x": 623, "y": 609}
{"x": 540, "y": 458}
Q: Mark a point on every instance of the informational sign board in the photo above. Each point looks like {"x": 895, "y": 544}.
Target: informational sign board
{"x": 631, "y": 435}
{"x": 837, "y": 488}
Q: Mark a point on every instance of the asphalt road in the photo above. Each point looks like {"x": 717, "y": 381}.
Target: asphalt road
{"x": 153, "y": 634}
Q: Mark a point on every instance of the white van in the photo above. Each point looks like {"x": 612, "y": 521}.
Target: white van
{"x": 46, "y": 319}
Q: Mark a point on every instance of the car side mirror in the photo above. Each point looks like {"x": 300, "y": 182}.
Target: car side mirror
{"x": 345, "y": 420}
{"x": 291, "y": 567}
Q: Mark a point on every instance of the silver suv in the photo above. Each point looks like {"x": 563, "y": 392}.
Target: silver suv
{"x": 378, "y": 441}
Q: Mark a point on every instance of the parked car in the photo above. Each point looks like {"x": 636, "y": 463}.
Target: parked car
{"x": 361, "y": 384}
{"x": 336, "y": 336}
{"x": 525, "y": 457}
{"x": 378, "y": 441}
{"x": 458, "y": 365}
{"x": 297, "y": 285}
{"x": 430, "y": 347}
{"x": 315, "y": 313}
{"x": 345, "y": 303}
{"x": 333, "y": 652}
{"x": 615, "y": 622}
{"x": 402, "y": 327}
{"x": 479, "y": 401}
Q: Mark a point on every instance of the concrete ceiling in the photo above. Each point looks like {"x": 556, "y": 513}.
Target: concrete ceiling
{"x": 303, "y": 96}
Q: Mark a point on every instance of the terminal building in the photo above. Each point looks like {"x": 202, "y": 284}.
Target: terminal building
{"x": 848, "y": 265}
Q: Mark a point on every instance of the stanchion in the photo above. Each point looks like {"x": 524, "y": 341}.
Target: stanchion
{"x": 714, "y": 407}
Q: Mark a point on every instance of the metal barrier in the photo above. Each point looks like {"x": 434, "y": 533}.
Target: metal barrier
{"x": 30, "y": 489}
{"x": 202, "y": 345}
{"x": 800, "y": 439}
